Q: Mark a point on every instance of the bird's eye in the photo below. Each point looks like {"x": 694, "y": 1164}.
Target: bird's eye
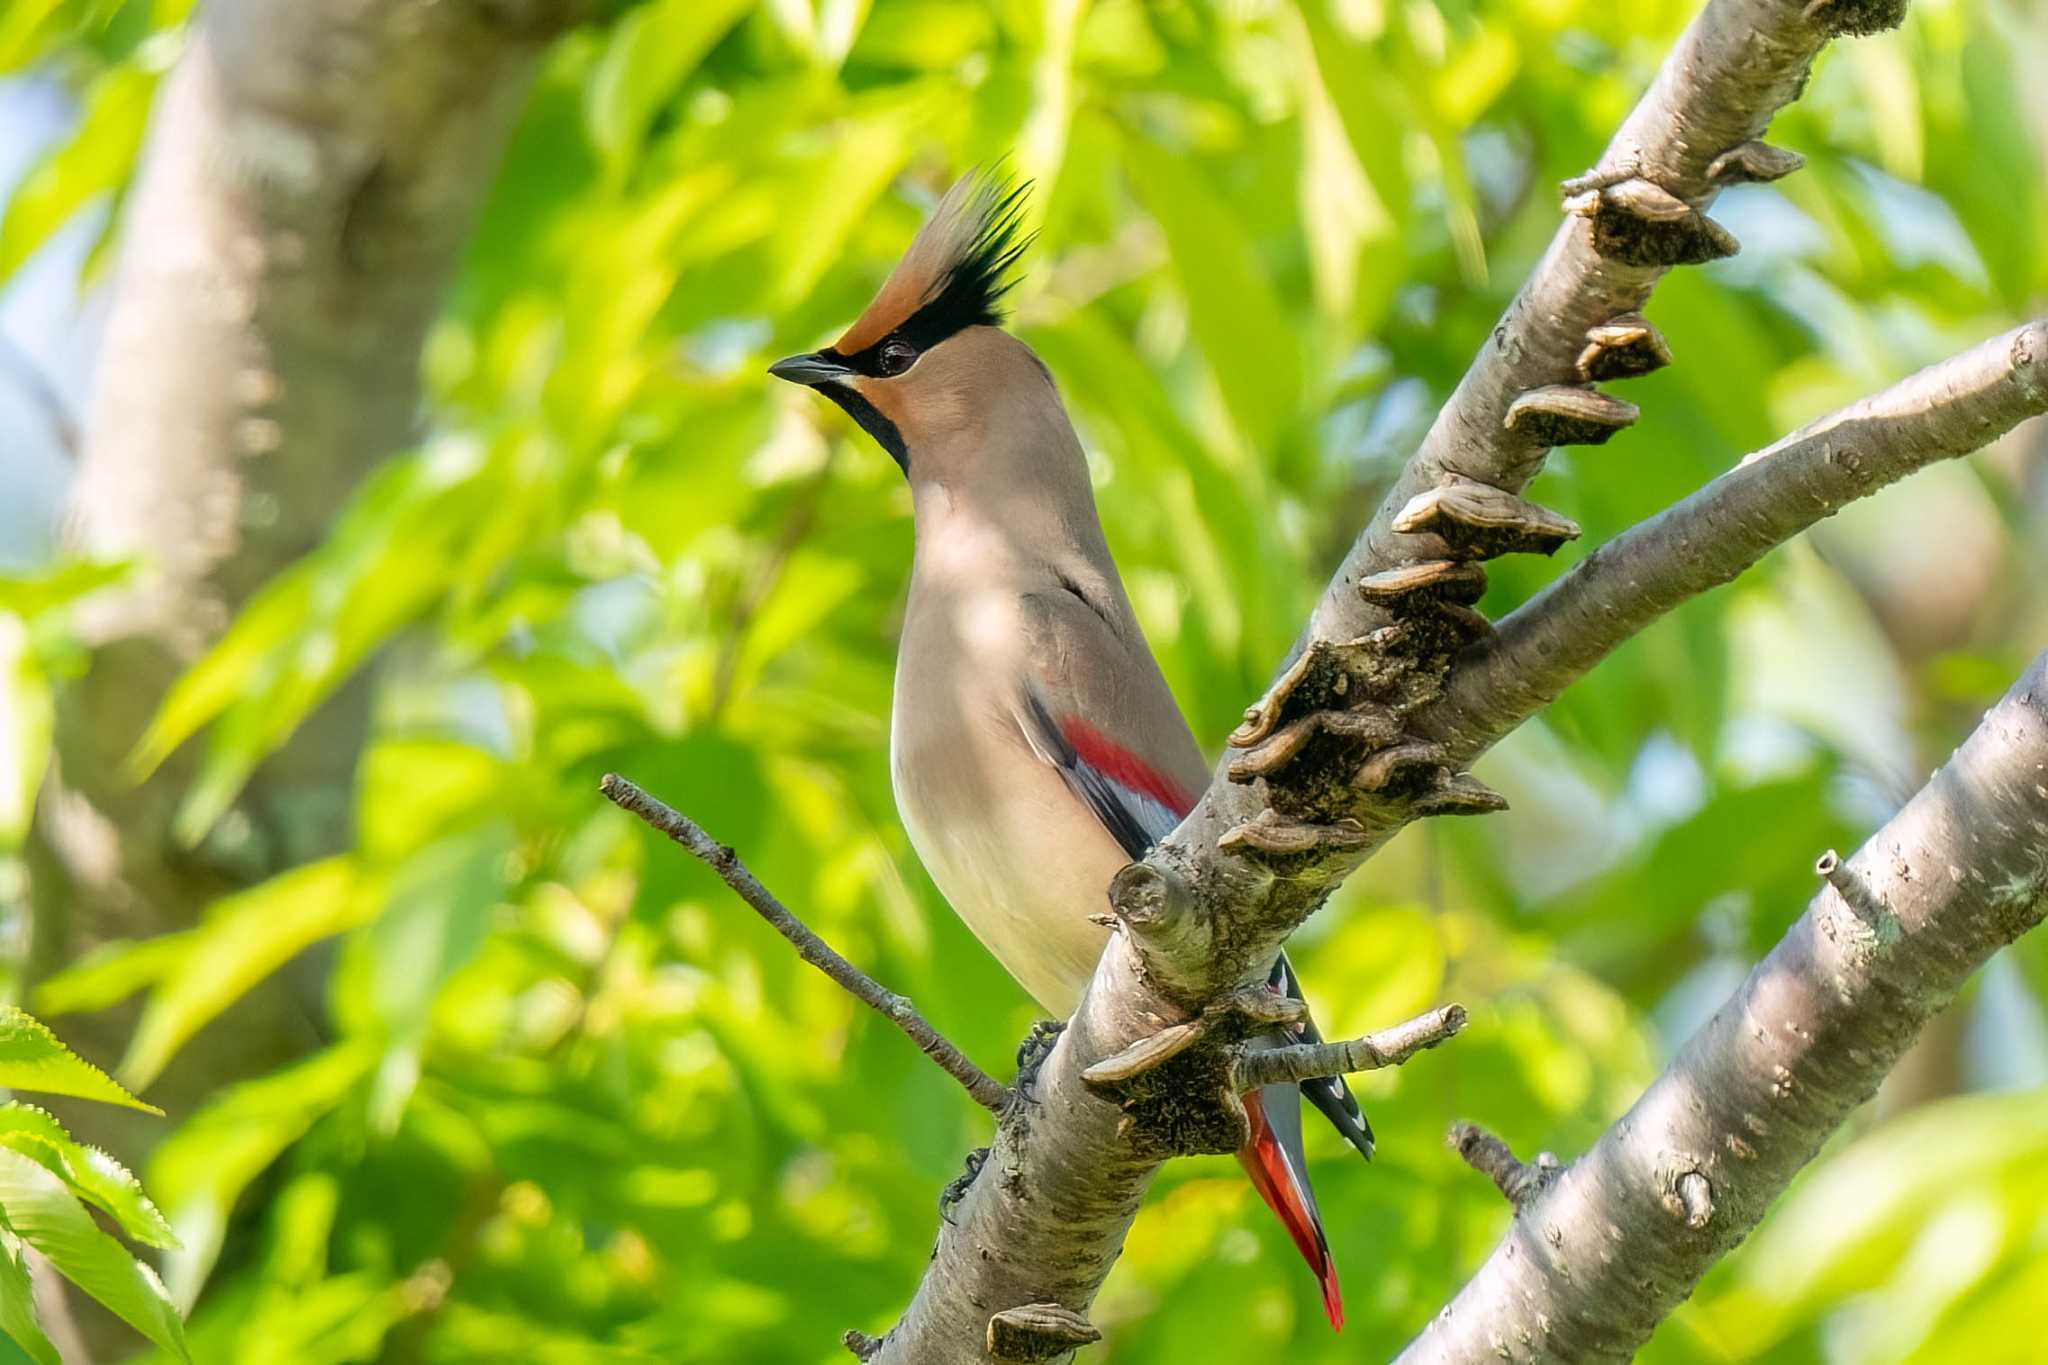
{"x": 895, "y": 357}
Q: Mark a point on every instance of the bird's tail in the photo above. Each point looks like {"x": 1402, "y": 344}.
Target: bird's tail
{"x": 1279, "y": 1170}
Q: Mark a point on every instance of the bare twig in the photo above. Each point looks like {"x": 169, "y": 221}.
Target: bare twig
{"x": 1517, "y": 1180}
{"x": 1388, "y": 1047}
{"x": 986, "y": 1091}
{"x": 1599, "y": 1258}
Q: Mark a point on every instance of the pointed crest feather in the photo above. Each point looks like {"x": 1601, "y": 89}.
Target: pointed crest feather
{"x": 956, "y": 270}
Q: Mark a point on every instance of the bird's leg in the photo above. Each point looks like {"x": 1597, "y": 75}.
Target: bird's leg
{"x": 1032, "y": 1052}
{"x": 950, "y": 1197}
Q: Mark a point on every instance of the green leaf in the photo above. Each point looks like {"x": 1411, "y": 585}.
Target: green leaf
{"x": 42, "y": 1211}
{"x": 1243, "y": 329}
{"x": 652, "y": 52}
{"x": 243, "y": 939}
{"x": 31, "y": 595}
{"x": 201, "y": 1170}
{"x": 95, "y": 161}
{"x": 18, "y": 1309}
{"x": 28, "y": 716}
{"x": 31, "y": 1058}
{"x": 92, "y": 1174}
{"x": 434, "y": 922}
{"x": 111, "y": 973}
{"x": 308, "y": 629}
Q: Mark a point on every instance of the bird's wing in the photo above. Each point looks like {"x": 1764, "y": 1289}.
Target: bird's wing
{"x": 1094, "y": 706}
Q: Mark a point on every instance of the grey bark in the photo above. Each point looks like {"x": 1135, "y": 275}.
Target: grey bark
{"x": 311, "y": 171}
{"x": 1591, "y": 1265}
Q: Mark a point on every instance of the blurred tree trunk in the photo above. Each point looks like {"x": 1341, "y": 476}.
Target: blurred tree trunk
{"x": 312, "y": 170}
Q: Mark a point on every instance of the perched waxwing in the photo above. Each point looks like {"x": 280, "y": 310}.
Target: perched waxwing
{"x": 1034, "y": 746}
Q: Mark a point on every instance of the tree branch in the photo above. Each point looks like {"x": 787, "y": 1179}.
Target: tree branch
{"x": 1517, "y": 1180}
{"x": 1591, "y": 1265}
{"x": 986, "y": 1091}
{"x": 1946, "y": 410}
{"x": 1388, "y": 1047}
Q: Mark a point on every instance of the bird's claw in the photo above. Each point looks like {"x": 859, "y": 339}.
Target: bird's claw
{"x": 1032, "y": 1052}
{"x": 956, "y": 1190}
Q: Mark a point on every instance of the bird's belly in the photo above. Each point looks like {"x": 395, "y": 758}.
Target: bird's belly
{"x": 1024, "y": 869}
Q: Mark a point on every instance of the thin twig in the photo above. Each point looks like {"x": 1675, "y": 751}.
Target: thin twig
{"x": 1518, "y": 1180}
{"x": 986, "y": 1091}
{"x": 1388, "y": 1047}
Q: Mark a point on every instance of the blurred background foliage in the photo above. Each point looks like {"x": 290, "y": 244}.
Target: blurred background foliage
{"x": 578, "y": 1105}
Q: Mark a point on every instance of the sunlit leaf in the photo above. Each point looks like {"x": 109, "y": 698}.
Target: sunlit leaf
{"x": 649, "y": 54}
{"x": 92, "y": 1174}
{"x": 1254, "y": 353}
{"x": 39, "y": 1209}
{"x": 31, "y": 1058}
{"x": 18, "y": 1309}
{"x": 94, "y": 161}
{"x": 242, "y": 940}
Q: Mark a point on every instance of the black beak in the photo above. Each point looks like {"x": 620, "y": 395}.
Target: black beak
{"x": 810, "y": 370}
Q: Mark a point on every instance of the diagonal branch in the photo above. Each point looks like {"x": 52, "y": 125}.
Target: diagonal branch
{"x": 1591, "y": 1265}
{"x": 987, "y": 1092}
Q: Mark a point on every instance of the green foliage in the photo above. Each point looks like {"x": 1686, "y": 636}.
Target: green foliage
{"x": 575, "y": 1104}
{"x": 47, "y": 1182}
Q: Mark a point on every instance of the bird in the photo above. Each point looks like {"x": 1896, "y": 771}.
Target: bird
{"x": 1035, "y": 747}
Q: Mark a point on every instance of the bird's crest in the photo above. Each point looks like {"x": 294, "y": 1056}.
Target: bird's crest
{"x": 956, "y": 271}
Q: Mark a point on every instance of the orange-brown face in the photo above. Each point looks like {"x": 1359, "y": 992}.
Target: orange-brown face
{"x": 947, "y": 284}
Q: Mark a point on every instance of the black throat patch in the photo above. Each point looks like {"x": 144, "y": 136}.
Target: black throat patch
{"x": 871, "y": 421}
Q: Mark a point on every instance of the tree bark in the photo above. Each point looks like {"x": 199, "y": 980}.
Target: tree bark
{"x": 312, "y": 170}
{"x": 1592, "y": 1264}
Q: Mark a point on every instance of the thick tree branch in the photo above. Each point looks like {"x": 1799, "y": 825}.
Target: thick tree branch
{"x": 1324, "y": 770}
{"x": 986, "y": 1091}
{"x": 1590, "y": 1266}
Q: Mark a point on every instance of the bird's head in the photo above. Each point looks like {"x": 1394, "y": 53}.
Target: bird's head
{"x": 909, "y": 367}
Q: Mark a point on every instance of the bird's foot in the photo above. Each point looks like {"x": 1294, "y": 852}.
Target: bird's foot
{"x": 1032, "y": 1052}
{"x": 950, "y": 1197}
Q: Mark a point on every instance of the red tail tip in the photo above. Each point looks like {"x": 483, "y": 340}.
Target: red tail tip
{"x": 1265, "y": 1162}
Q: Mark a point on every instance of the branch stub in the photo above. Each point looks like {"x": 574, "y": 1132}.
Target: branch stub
{"x": 1626, "y": 347}
{"x": 1482, "y": 521}
{"x": 1568, "y": 415}
{"x": 1753, "y": 163}
{"x": 1038, "y": 1331}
